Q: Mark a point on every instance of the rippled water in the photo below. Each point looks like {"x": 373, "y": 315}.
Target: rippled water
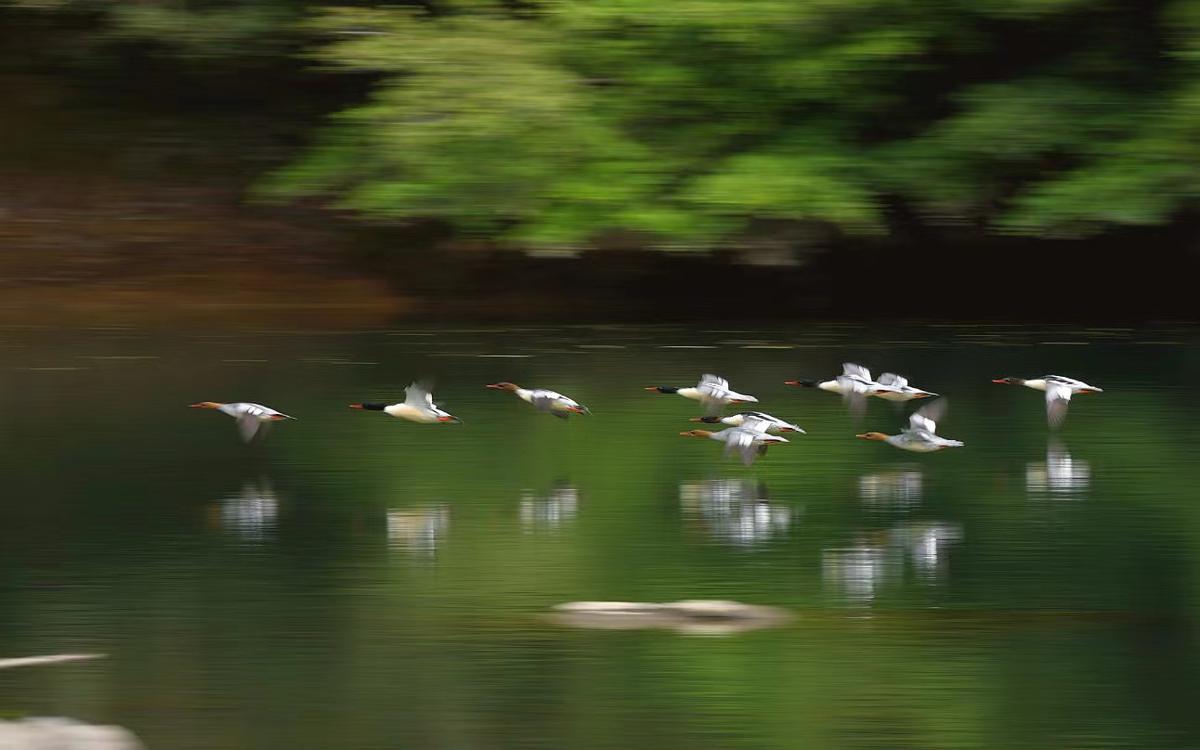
{"x": 360, "y": 582}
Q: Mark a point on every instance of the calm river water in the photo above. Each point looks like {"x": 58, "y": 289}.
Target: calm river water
{"x": 357, "y": 581}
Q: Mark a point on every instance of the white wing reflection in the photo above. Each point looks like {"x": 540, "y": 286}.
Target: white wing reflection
{"x": 858, "y": 572}
{"x": 548, "y": 511}
{"x": 418, "y": 530}
{"x": 1059, "y": 475}
{"x": 894, "y": 489}
{"x": 855, "y": 572}
{"x": 926, "y": 544}
{"x": 735, "y": 511}
{"x": 253, "y": 512}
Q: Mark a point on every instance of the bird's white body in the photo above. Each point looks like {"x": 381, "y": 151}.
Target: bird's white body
{"x": 251, "y": 418}
{"x": 418, "y": 407}
{"x": 855, "y": 380}
{"x": 252, "y": 411}
{"x": 713, "y": 392}
{"x": 774, "y": 424}
{"x": 921, "y": 434}
{"x": 893, "y": 387}
{"x": 545, "y": 400}
{"x": 552, "y": 401}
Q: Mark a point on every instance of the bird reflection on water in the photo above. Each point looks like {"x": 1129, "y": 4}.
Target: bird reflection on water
{"x": 549, "y": 511}
{"x": 1059, "y": 474}
{"x": 418, "y": 530}
{"x": 895, "y": 489}
{"x": 736, "y": 511}
{"x": 252, "y": 513}
{"x": 857, "y": 573}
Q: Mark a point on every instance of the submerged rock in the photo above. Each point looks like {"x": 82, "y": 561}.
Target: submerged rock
{"x": 57, "y": 733}
{"x": 693, "y": 616}
{"x": 28, "y": 661}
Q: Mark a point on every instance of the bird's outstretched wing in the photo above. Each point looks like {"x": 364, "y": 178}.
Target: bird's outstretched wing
{"x": 250, "y": 426}
{"x": 755, "y": 425}
{"x": 713, "y": 386}
{"x": 419, "y": 395}
{"x": 926, "y": 418}
{"x": 851, "y": 370}
{"x": 1058, "y": 395}
{"x": 740, "y": 441}
{"x": 893, "y": 380}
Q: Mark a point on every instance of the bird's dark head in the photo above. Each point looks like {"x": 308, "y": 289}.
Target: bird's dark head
{"x": 695, "y": 433}
{"x": 705, "y": 420}
{"x": 1009, "y": 381}
{"x": 802, "y": 383}
{"x": 662, "y": 389}
{"x": 503, "y": 386}
{"x": 368, "y": 407}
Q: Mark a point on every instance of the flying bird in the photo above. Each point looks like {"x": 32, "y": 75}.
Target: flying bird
{"x": 893, "y": 387}
{"x": 774, "y": 424}
{"x": 749, "y": 440}
{"x": 712, "y": 392}
{"x": 417, "y": 406}
{"x": 551, "y": 402}
{"x": 252, "y": 419}
{"x": 1059, "y": 390}
{"x": 921, "y": 434}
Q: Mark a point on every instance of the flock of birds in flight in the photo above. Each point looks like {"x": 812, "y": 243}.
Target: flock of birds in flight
{"x": 748, "y": 433}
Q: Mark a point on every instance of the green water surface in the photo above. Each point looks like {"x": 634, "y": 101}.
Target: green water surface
{"x": 356, "y": 581}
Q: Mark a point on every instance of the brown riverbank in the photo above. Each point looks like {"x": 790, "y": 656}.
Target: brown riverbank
{"x": 80, "y": 249}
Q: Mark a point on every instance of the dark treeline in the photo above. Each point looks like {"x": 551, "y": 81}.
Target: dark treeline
{"x": 1036, "y": 149}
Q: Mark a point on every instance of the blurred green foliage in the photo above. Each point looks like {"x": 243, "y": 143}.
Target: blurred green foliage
{"x": 685, "y": 122}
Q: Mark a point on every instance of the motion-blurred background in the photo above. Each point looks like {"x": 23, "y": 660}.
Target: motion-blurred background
{"x": 600, "y": 157}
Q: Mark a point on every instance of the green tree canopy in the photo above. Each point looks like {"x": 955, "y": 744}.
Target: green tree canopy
{"x": 554, "y": 121}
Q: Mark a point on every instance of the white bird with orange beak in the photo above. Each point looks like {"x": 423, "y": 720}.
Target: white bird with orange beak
{"x": 1059, "y": 390}
{"x": 417, "y": 406}
{"x": 921, "y": 434}
{"x": 251, "y": 418}
{"x": 551, "y": 402}
{"x": 712, "y": 392}
{"x": 774, "y": 424}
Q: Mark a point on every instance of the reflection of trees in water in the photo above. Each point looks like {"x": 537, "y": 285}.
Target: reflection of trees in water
{"x": 551, "y": 510}
{"x": 735, "y": 511}
{"x": 899, "y": 489}
{"x": 858, "y": 572}
{"x": 253, "y": 512}
{"x": 1059, "y": 475}
{"x": 418, "y": 530}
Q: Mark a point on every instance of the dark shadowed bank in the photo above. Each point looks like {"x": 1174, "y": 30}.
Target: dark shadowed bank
{"x": 205, "y": 259}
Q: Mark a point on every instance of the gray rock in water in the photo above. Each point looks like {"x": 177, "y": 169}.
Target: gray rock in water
{"x": 695, "y": 616}
{"x": 28, "y": 661}
{"x": 57, "y": 733}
